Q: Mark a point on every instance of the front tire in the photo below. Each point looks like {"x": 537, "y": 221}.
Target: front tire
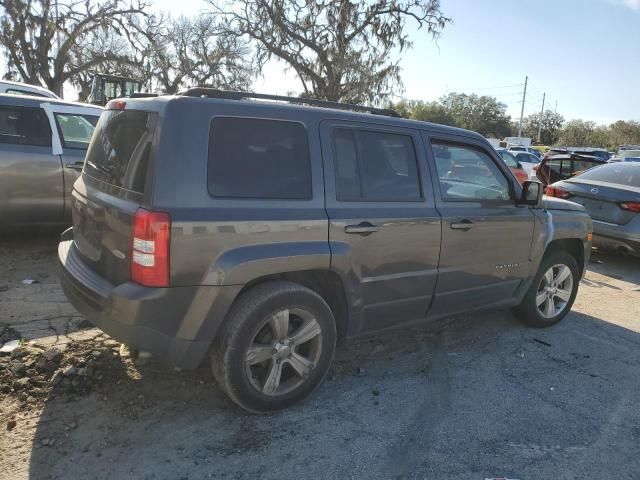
{"x": 275, "y": 347}
{"x": 552, "y": 291}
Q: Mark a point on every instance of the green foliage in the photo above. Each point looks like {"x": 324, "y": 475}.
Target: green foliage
{"x": 580, "y": 133}
{"x": 482, "y": 114}
{"x": 551, "y": 126}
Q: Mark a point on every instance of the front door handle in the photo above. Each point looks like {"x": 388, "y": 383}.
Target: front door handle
{"x": 462, "y": 225}
{"x": 364, "y": 228}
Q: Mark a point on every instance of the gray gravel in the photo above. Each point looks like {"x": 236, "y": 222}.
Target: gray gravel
{"x": 472, "y": 397}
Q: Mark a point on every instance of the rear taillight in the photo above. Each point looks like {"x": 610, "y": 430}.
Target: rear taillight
{"x": 116, "y": 105}
{"x": 557, "y": 192}
{"x": 150, "y": 248}
{"x": 630, "y": 206}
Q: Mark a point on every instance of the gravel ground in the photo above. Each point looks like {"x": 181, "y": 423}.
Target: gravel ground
{"x": 472, "y": 397}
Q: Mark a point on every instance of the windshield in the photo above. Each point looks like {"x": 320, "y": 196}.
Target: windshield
{"x": 623, "y": 173}
{"x": 508, "y": 158}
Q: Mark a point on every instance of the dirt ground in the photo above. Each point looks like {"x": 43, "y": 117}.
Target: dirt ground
{"x": 472, "y": 397}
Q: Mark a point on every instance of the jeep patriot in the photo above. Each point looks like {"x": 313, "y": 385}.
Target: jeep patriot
{"x": 260, "y": 233}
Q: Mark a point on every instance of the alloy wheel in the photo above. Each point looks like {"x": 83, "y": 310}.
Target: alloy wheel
{"x": 284, "y": 351}
{"x": 554, "y": 291}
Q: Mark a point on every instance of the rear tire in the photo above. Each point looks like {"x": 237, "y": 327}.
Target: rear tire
{"x": 276, "y": 346}
{"x": 552, "y": 291}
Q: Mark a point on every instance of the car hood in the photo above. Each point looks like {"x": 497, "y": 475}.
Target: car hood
{"x": 551, "y": 203}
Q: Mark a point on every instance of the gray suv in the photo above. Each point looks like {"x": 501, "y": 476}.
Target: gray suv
{"x": 263, "y": 232}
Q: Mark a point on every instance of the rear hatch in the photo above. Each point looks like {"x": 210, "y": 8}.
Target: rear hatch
{"x": 602, "y": 200}
{"x": 111, "y": 189}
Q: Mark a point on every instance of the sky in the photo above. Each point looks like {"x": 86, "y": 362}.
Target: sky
{"x": 584, "y": 54}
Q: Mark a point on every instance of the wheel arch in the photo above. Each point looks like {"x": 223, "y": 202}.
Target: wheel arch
{"x": 324, "y": 282}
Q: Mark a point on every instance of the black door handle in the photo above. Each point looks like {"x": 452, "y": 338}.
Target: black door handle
{"x": 364, "y": 229}
{"x": 462, "y": 225}
{"x": 75, "y": 166}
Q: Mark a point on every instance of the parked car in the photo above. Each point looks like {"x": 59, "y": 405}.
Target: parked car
{"x": 532, "y": 150}
{"x": 518, "y": 171}
{"x": 626, "y": 156}
{"x": 43, "y": 143}
{"x": 265, "y": 231}
{"x": 611, "y": 195}
{"x": 554, "y": 168}
{"x": 18, "y": 88}
{"x": 528, "y": 162}
{"x": 601, "y": 153}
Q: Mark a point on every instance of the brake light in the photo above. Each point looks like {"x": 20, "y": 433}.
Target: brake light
{"x": 150, "y": 248}
{"x": 116, "y": 105}
{"x": 557, "y": 192}
{"x": 631, "y": 206}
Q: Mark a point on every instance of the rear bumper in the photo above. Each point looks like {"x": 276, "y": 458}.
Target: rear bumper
{"x": 176, "y": 325}
{"x": 618, "y": 237}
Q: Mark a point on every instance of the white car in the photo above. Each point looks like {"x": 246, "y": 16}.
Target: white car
{"x": 528, "y": 162}
{"x": 18, "y": 88}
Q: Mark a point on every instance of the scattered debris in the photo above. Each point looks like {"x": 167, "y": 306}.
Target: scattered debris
{"x": 29, "y": 281}
{"x": 4, "y": 288}
{"x": 542, "y": 342}
{"x": 376, "y": 392}
{"x": 520, "y": 353}
{"x": 361, "y": 371}
{"x": 11, "y": 424}
{"x": 9, "y": 346}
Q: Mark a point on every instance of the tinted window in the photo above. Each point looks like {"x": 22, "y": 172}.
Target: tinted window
{"x": 252, "y": 158}
{"x": 120, "y": 148}
{"x": 623, "y": 173}
{"x": 24, "y": 126}
{"x": 468, "y": 174}
{"x": 76, "y": 130}
{"x": 375, "y": 166}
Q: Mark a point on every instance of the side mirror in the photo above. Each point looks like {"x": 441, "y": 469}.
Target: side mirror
{"x": 531, "y": 194}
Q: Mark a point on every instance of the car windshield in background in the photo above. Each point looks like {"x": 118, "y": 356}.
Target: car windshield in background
{"x": 622, "y": 173}
{"x": 508, "y": 158}
{"x": 76, "y": 130}
{"x": 527, "y": 157}
{"x": 120, "y": 153}
{"x": 630, "y": 153}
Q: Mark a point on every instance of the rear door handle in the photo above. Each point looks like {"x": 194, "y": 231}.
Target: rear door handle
{"x": 75, "y": 166}
{"x": 462, "y": 225}
{"x": 364, "y": 228}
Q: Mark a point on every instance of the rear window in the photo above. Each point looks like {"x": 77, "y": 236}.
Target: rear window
{"x": 623, "y": 173}
{"x": 120, "y": 149}
{"x": 255, "y": 158}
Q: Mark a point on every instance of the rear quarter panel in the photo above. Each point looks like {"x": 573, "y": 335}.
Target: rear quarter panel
{"x": 221, "y": 241}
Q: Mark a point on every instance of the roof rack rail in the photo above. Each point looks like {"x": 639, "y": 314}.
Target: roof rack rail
{"x": 232, "y": 95}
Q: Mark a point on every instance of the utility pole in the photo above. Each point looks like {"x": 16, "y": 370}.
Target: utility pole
{"x": 524, "y": 96}
{"x": 541, "y": 115}
{"x": 556, "y": 110}
{"x": 55, "y": 5}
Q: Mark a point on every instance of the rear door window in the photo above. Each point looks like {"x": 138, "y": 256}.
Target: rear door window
{"x": 257, "y": 158}
{"x": 375, "y": 166}
{"x": 121, "y": 146}
{"x": 75, "y": 130}
{"x": 24, "y": 126}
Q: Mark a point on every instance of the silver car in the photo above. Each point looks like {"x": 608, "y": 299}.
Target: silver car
{"x": 611, "y": 195}
{"x": 43, "y": 143}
